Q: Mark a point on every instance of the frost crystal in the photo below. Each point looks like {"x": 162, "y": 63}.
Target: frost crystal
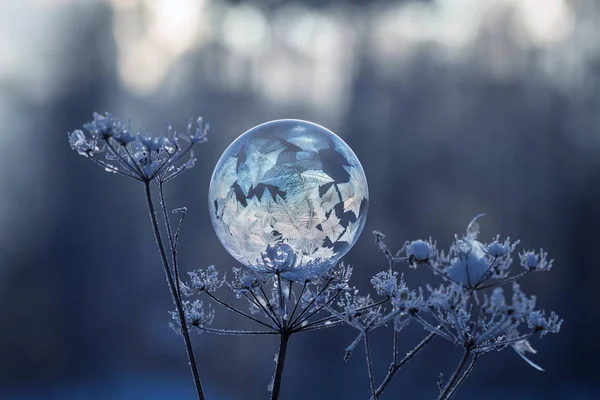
{"x": 288, "y": 183}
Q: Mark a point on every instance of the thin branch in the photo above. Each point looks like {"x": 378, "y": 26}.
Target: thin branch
{"x": 383, "y": 247}
{"x": 311, "y": 302}
{"x": 395, "y": 348}
{"x": 159, "y": 169}
{"x": 484, "y": 349}
{"x": 180, "y": 313}
{"x": 163, "y": 204}
{"x": 167, "y": 178}
{"x": 317, "y": 327}
{"x": 376, "y": 304}
{"x": 397, "y": 365}
{"x": 282, "y": 303}
{"x": 484, "y": 277}
{"x": 233, "y": 332}
{"x": 318, "y": 309}
{"x": 298, "y": 299}
{"x": 264, "y": 309}
{"x": 270, "y": 307}
{"x": 235, "y": 310}
{"x": 442, "y": 273}
{"x": 464, "y": 376}
{"x": 445, "y": 395}
{"x": 112, "y": 168}
{"x": 183, "y": 212}
{"x": 433, "y": 329}
{"x": 135, "y": 163}
{"x": 121, "y": 159}
{"x": 324, "y": 320}
{"x": 505, "y": 281}
{"x": 303, "y": 328}
{"x": 369, "y": 364}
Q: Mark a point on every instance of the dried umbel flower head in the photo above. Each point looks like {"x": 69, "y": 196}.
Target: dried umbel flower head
{"x": 110, "y": 144}
{"x": 470, "y": 308}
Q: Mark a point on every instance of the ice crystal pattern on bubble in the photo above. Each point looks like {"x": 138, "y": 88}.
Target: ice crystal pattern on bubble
{"x": 288, "y": 182}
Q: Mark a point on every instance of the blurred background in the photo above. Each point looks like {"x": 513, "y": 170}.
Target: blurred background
{"x": 454, "y": 107}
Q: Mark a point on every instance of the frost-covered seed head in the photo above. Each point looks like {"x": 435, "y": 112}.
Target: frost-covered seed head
{"x": 103, "y": 126}
{"x": 203, "y": 281}
{"x": 141, "y": 157}
{"x": 419, "y": 250}
{"x": 83, "y": 145}
{"x": 278, "y": 258}
{"x": 496, "y": 249}
{"x": 385, "y": 283}
{"x": 530, "y": 260}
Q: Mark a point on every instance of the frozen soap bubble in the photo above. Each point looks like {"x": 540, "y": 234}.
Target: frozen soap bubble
{"x": 288, "y": 186}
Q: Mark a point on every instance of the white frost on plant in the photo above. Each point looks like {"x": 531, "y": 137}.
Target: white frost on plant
{"x": 139, "y": 156}
{"x": 419, "y": 250}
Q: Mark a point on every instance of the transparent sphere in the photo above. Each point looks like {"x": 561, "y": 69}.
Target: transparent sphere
{"x": 288, "y": 183}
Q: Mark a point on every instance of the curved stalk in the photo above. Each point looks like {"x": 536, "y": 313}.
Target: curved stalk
{"x": 176, "y": 299}
{"x": 449, "y": 389}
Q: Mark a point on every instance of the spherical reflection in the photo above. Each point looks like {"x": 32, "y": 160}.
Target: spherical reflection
{"x": 288, "y": 182}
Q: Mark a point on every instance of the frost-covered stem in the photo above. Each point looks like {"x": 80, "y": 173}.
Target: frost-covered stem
{"x": 317, "y": 310}
{"x": 311, "y": 302}
{"x": 180, "y": 313}
{"x": 448, "y": 389}
{"x": 321, "y": 326}
{"x": 504, "y": 281}
{"x": 485, "y": 274}
{"x": 444, "y": 324}
{"x": 119, "y": 157}
{"x": 235, "y": 310}
{"x": 500, "y": 327}
{"x": 170, "y": 236}
{"x": 110, "y": 168}
{"x": 464, "y": 376}
{"x": 396, "y": 365}
{"x": 270, "y": 307}
{"x": 369, "y": 364}
{"x": 135, "y": 163}
{"x": 299, "y": 298}
{"x": 283, "y": 343}
{"x": 442, "y": 273}
{"x": 256, "y": 301}
{"x": 377, "y": 304}
{"x": 395, "y": 348}
{"x": 282, "y": 303}
{"x": 233, "y": 332}
{"x": 437, "y": 330}
{"x": 324, "y": 321}
{"x": 171, "y": 160}
{"x": 483, "y": 349}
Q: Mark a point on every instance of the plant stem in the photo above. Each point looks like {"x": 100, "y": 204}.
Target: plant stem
{"x": 463, "y": 377}
{"x": 448, "y": 390}
{"x": 369, "y": 364}
{"x": 396, "y": 365}
{"x": 180, "y": 313}
{"x": 283, "y": 343}
{"x": 163, "y": 205}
